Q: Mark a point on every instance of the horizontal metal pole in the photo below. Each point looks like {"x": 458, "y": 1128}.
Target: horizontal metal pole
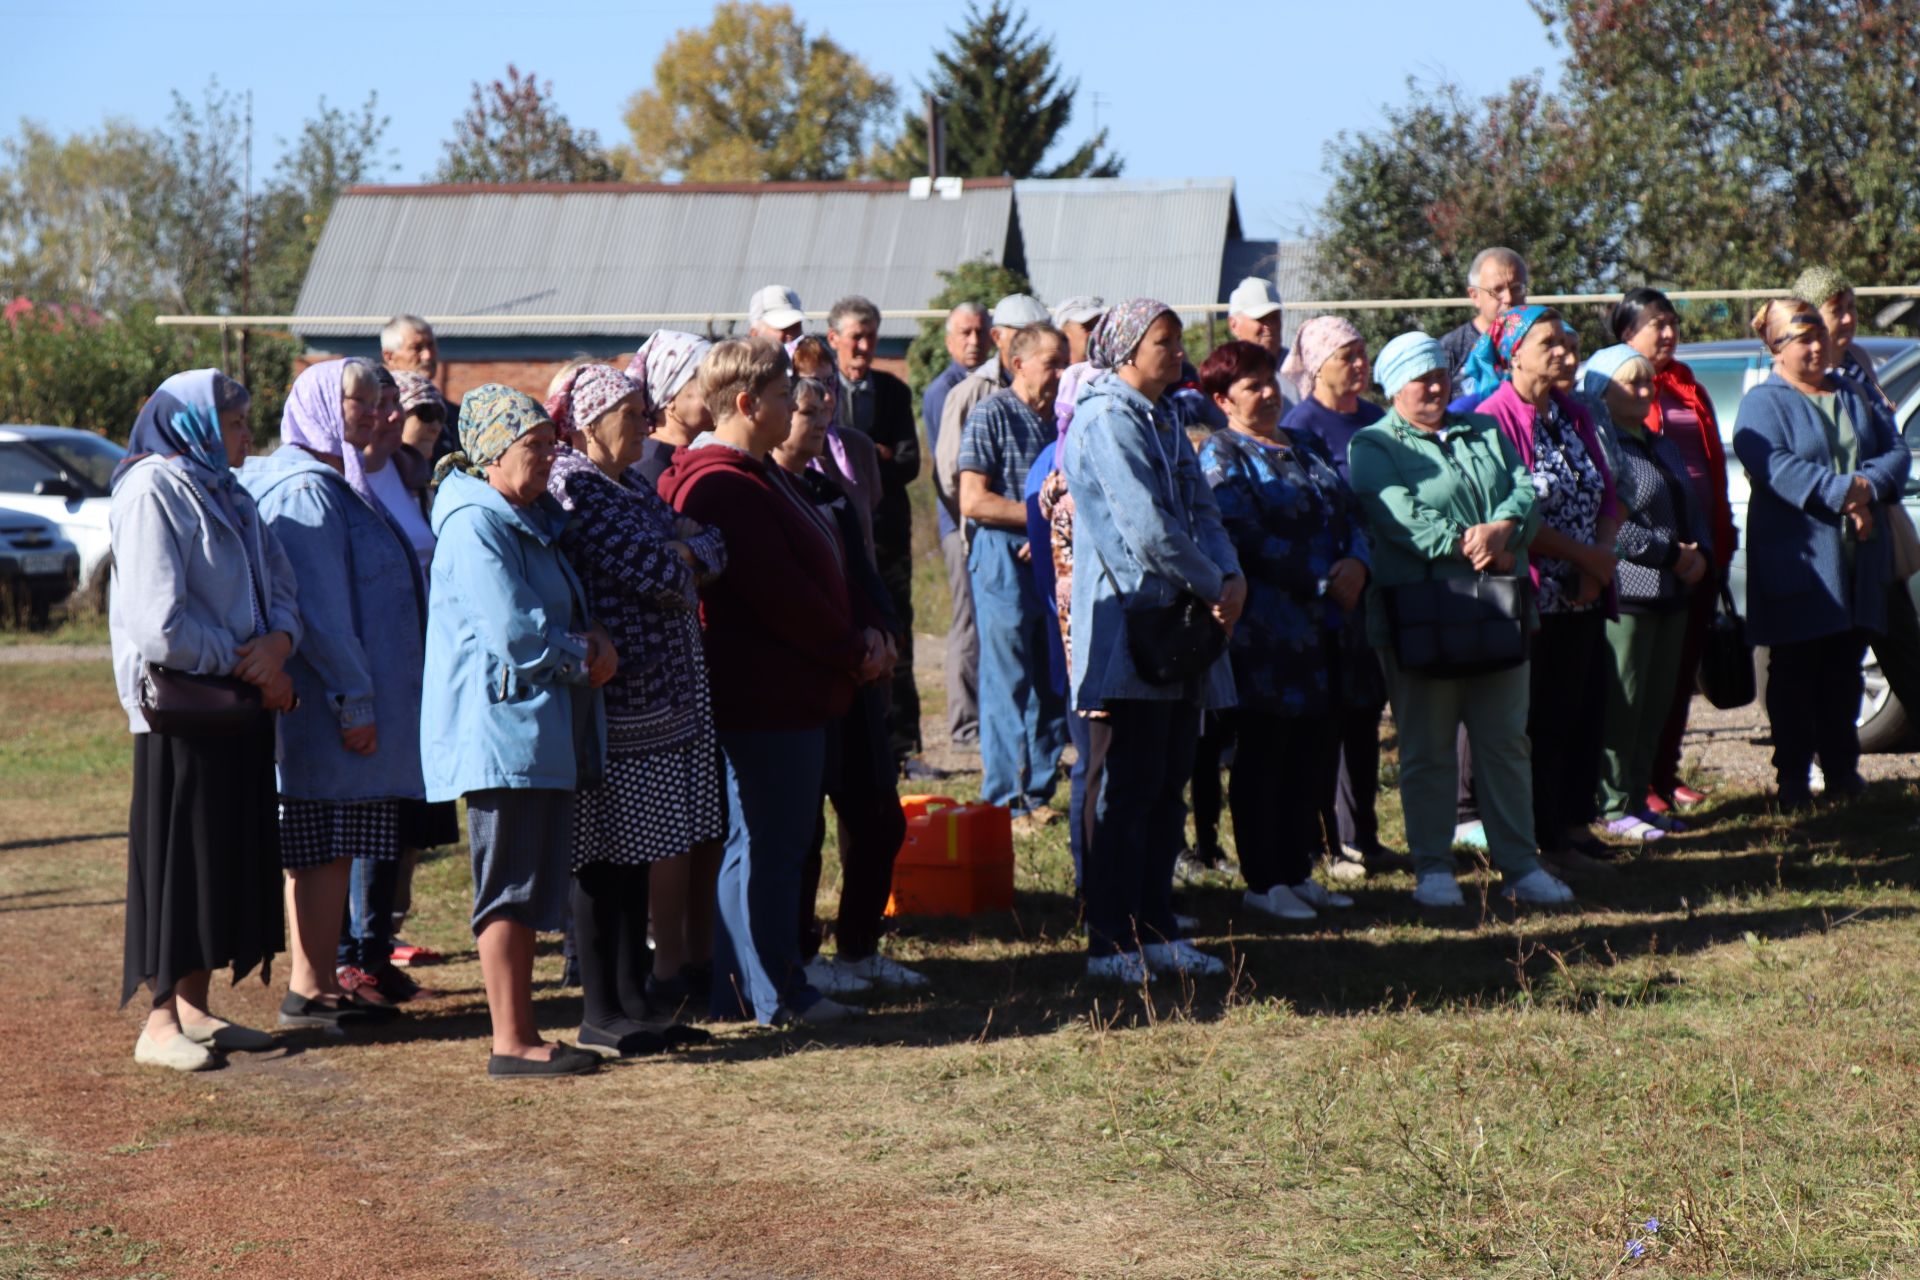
{"x": 1195, "y": 308}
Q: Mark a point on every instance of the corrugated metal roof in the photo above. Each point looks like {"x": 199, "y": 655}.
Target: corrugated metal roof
{"x": 628, "y": 248}
{"x": 1127, "y": 238}
{"x": 1296, "y": 271}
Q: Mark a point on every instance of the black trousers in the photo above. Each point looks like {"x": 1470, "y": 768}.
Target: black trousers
{"x": 1813, "y": 700}
{"x": 895, "y": 563}
{"x": 859, "y": 781}
{"x": 1216, "y": 735}
{"x": 1357, "y": 786}
{"x": 1140, "y": 758}
{"x": 1283, "y": 780}
{"x": 1566, "y": 719}
{"x": 1899, "y": 649}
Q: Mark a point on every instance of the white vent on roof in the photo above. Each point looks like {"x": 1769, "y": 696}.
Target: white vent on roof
{"x": 920, "y": 188}
{"x": 925, "y": 188}
{"x": 949, "y": 188}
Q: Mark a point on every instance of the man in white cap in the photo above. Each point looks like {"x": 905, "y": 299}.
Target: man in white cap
{"x": 1254, "y": 315}
{"x": 776, "y": 313}
{"x": 1076, "y": 317}
{"x": 1011, "y": 314}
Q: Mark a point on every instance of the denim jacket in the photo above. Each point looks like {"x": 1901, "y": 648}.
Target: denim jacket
{"x": 506, "y": 675}
{"x": 363, "y": 603}
{"x": 182, "y": 596}
{"x": 1145, "y": 529}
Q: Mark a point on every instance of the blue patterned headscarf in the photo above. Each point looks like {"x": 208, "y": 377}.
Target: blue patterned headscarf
{"x": 1601, "y": 367}
{"x": 181, "y": 420}
{"x": 492, "y": 417}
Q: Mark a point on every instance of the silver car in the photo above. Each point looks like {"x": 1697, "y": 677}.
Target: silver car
{"x": 61, "y": 475}
{"x": 1726, "y": 370}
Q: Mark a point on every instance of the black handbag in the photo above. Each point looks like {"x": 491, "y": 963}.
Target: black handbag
{"x": 1449, "y": 628}
{"x": 196, "y": 706}
{"x": 1726, "y": 676}
{"x": 1175, "y": 643}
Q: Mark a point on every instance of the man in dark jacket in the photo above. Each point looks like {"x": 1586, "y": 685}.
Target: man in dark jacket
{"x": 880, "y": 406}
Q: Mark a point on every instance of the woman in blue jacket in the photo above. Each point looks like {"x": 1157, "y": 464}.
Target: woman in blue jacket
{"x": 349, "y": 753}
{"x": 1823, "y": 456}
{"x": 511, "y": 717}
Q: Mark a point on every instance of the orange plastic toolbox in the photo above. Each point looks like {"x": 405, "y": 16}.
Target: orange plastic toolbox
{"x": 957, "y": 859}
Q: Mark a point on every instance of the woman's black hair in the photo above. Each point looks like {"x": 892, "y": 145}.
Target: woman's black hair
{"x": 1632, "y": 311}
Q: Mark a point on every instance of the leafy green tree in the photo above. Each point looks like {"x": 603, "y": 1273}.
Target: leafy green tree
{"x": 334, "y": 150}
{"x": 982, "y": 281}
{"x": 69, "y": 367}
{"x": 514, "y": 132}
{"x": 753, "y": 97}
{"x": 1411, "y": 203}
{"x": 79, "y": 215}
{"x": 1004, "y": 103}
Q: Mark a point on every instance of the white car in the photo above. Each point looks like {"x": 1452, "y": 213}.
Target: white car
{"x": 61, "y": 475}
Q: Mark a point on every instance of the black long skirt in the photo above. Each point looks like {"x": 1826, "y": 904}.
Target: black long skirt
{"x": 203, "y": 859}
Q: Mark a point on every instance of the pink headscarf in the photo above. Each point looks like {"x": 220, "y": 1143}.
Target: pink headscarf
{"x": 586, "y": 393}
{"x": 314, "y": 419}
{"x": 1318, "y": 341}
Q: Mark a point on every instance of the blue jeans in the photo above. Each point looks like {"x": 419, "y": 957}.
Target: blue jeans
{"x": 774, "y": 781}
{"x": 367, "y": 941}
{"x": 1022, "y": 720}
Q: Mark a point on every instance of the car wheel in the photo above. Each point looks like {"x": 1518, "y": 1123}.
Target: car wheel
{"x": 1883, "y": 722}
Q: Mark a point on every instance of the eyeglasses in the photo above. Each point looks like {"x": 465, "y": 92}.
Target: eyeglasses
{"x": 1511, "y": 290}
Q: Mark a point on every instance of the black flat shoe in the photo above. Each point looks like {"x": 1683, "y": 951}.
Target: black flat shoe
{"x": 566, "y": 1061}
{"x": 679, "y": 1035}
{"x": 316, "y": 1011}
{"x": 625, "y": 1039}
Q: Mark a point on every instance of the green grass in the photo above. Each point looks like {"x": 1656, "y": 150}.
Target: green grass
{"x": 1719, "y": 1039}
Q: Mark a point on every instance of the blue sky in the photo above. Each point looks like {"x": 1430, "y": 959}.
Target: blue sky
{"x": 1194, "y": 88}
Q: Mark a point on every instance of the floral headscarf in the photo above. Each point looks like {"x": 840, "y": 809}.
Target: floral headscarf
{"x": 417, "y": 389}
{"x": 1508, "y": 332}
{"x": 315, "y": 419}
{"x": 1121, "y": 329}
{"x": 1318, "y": 341}
{"x": 182, "y": 420}
{"x": 665, "y": 364}
{"x": 587, "y": 393}
{"x": 492, "y": 417}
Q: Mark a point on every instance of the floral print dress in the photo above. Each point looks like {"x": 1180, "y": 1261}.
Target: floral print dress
{"x": 1570, "y": 490}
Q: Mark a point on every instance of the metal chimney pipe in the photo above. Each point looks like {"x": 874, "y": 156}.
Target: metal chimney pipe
{"x": 936, "y": 139}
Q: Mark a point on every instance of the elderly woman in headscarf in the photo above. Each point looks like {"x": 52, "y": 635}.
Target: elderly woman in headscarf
{"x": 1681, "y": 411}
{"x": 1665, "y": 547}
{"x": 1295, "y": 526}
{"x": 512, "y": 716}
{"x": 1448, "y": 497}
{"x": 668, "y": 365}
{"x": 201, "y": 586}
{"x": 1571, "y": 563}
{"x": 1898, "y": 648}
{"x": 1329, "y": 368}
{"x": 349, "y": 754}
{"x": 660, "y": 797}
{"x": 1823, "y": 456}
{"x": 1147, "y": 536}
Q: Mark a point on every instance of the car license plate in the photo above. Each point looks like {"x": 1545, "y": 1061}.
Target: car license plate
{"x": 47, "y": 562}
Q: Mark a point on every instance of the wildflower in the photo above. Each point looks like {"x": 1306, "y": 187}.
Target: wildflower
{"x": 1652, "y": 1226}
{"x": 1635, "y": 1249}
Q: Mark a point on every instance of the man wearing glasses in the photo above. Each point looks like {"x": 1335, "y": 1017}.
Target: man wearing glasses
{"x": 1496, "y": 280}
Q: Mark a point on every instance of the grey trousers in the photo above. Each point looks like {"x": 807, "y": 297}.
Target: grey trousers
{"x": 963, "y": 647}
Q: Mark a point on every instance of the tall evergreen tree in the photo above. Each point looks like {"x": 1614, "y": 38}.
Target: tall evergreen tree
{"x": 1005, "y": 104}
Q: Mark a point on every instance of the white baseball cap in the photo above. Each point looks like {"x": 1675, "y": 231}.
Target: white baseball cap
{"x": 1253, "y": 297}
{"x": 1080, "y": 309}
{"x": 1017, "y": 310}
{"x": 776, "y": 307}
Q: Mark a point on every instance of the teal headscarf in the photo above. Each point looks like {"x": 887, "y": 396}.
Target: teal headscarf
{"x": 1600, "y": 369}
{"x": 492, "y": 417}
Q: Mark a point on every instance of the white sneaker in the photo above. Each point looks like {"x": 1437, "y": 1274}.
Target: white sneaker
{"x": 1438, "y": 889}
{"x": 1347, "y": 866}
{"x": 1280, "y": 903}
{"x": 877, "y": 969}
{"x": 825, "y": 1011}
{"x": 1126, "y": 966}
{"x": 176, "y": 1053}
{"x": 1540, "y": 887}
{"x": 1315, "y": 894}
{"x": 1183, "y": 957}
{"x": 831, "y": 978}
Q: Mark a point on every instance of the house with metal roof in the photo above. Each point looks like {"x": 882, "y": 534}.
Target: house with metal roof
{"x": 536, "y": 274}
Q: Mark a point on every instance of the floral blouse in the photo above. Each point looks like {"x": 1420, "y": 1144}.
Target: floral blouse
{"x": 1570, "y": 491}
{"x": 644, "y": 596}
{"x": 1291, "y": 519}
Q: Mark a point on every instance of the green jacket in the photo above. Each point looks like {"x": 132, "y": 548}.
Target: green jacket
{"x": 1422, "y": 490}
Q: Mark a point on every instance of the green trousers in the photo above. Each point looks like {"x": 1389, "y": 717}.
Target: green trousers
{"x": 1644, "y": 662}
{"x": 1427, "y": 715}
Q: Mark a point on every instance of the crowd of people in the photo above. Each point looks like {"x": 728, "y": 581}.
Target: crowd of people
{"x": 650, "y": 626}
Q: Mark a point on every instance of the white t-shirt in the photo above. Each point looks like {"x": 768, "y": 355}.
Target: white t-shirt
{"x": 405, "y": 510}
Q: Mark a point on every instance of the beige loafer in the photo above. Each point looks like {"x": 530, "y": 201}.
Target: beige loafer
{"x": 176, "y": 1053}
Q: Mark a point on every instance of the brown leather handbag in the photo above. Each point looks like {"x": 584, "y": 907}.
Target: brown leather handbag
{"x": 196, "y": 706}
